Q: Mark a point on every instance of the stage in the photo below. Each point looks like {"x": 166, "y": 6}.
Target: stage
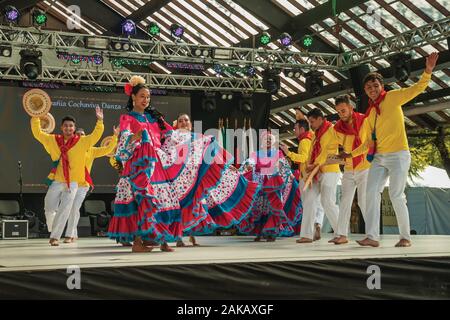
{"x": 227, "y": 268}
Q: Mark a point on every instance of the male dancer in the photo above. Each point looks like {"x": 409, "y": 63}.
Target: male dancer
{"x": 67, "y": 151}
{"x": 325, "y": 184}
{"x": 349, "y": 135}
{"x": 83, "y": 188}
{"x": 305, "y": 137}
{"x": 388, "y": 146}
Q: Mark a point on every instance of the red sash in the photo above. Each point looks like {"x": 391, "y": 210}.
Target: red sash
{"x": 64, "y": 147}
{"x": 376, "y": 104}
{"x": 319, "y": 133}
{"x": 352, "y": 130}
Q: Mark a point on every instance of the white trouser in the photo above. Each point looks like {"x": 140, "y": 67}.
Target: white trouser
{"x": 72, "y": 223}
{"x": 395, "y": 166}
{"x": 321, "y": 192}
{"x": 58, "y": 203}
{"x": 320, "y": 212}
{"x": 351, "y": 181}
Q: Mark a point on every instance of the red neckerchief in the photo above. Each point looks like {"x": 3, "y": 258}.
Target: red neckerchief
{"x": 88, "y": 178}
{"x": 305, "y": 135}
{"x": 352, "y": 130}
{"x": 376, "y": 104}
{"x": 319, "y": 133}
{"x": 64, "y": 148}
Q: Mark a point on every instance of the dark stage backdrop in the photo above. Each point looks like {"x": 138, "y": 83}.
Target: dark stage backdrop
{"x": 17, "y": 142}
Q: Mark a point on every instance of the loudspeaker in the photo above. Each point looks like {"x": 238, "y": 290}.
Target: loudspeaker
{"x": 357, "y": 75}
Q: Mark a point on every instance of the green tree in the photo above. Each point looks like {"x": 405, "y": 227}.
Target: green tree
{"x": 429, "y": 148}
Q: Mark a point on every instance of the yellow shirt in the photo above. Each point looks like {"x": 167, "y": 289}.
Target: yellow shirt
{"x": 329, "y": 145}
{"x": 97, "y": 152}
{"x": 390, "y": 123}
{"x": 301, "y": 157}
{"x": 346, "y": 141}
{"x": 76, "y": 161}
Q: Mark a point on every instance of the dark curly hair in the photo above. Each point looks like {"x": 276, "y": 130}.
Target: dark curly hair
{"x": 151, "y": 110}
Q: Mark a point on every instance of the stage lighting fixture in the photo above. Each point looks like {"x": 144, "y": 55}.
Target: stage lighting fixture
{"x": 5, "y": 51}
{"x": 227, "y": 96}
{"x": 222, "y": 54}
{"x": 39, "y": 17}
{"x": 293, "y": 73}
{"x": 401, "y": 67}
{"x": 251, "y": 71}
{"x": 97, "y": 59}
{"x": 11, "y": 14}
{"x": 209, "y": 102}
{"x": 153, "y": 29}
{"x": 314, "y": 82}
{"x": 201, "y": 52}
{"x": 271, "y": 80}
{"x": 246, "y": 104}
{"x": 30, "y": 63}
{"x": 307, "y": 41}
{"x": 286, "y": 39}
{"x": 128, "y": 27}
{"x": 265, "y": 39}
{"x": 96, "y": 43}
{"x": 177, "y": 31}
{"x": 120, "y": 45}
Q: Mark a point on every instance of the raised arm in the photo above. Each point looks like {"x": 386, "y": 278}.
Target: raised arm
{"x": 98, "y": 130}
{"x": 40, "y": 136}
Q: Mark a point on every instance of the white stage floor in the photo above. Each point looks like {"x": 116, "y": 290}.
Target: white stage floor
{"x": 36, "y": 254}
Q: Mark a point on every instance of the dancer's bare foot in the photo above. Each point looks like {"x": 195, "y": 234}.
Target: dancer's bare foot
{"x": 368, "y": 243}
{"x": 68, "y": 240}
{"x": 180, "y": 244}
{"x": 403, "y": 243}
{"x": 193, "y": 241}
{"x": 304, "y": 240}
{"x": 333, "y": 240}
{"x": 149, "y": 243}
{"x": 257, "y": 239}
{"x": 317, "y": 232}
{"x": 139, "y": 247}
{"x": 165, "y": 247}
{"x": 341, "y": 240}
{"x": 54, "y": 242}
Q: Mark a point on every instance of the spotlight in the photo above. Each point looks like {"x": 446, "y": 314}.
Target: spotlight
{"x": 265, "y": 39}
{"x": 251, "y": 71}
{"x": 271, "y": 80}
{"x": 226, "y": 96}
{"x": 201, "y": 52}
{"x": 5, "y": 51}
{"x": 30, "y": 63}
{"x": 128, "y": 27}
{"x": 307, "y": 41}
{"x": 97, "y": 59}
{"x": 286, "y": 39}
{"x": 39, "y": 17}
{"x": 246, "y": 105}
{"x": 177, "y": 31}
{"x": 11, "y": 14}
{"x": 293, "y": 73}
{"x": 209, "y": 102}
{"x": 401, "y": 67}
{"x": 154, "y": 29}
{"x": 314, "y": 82}
{"x": 120, "y": 45}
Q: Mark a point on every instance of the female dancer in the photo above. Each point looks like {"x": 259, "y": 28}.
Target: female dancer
{"x": 277, "y": 209}
{"x": 212, "y": 193}
{"x": 143, "y": 211}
